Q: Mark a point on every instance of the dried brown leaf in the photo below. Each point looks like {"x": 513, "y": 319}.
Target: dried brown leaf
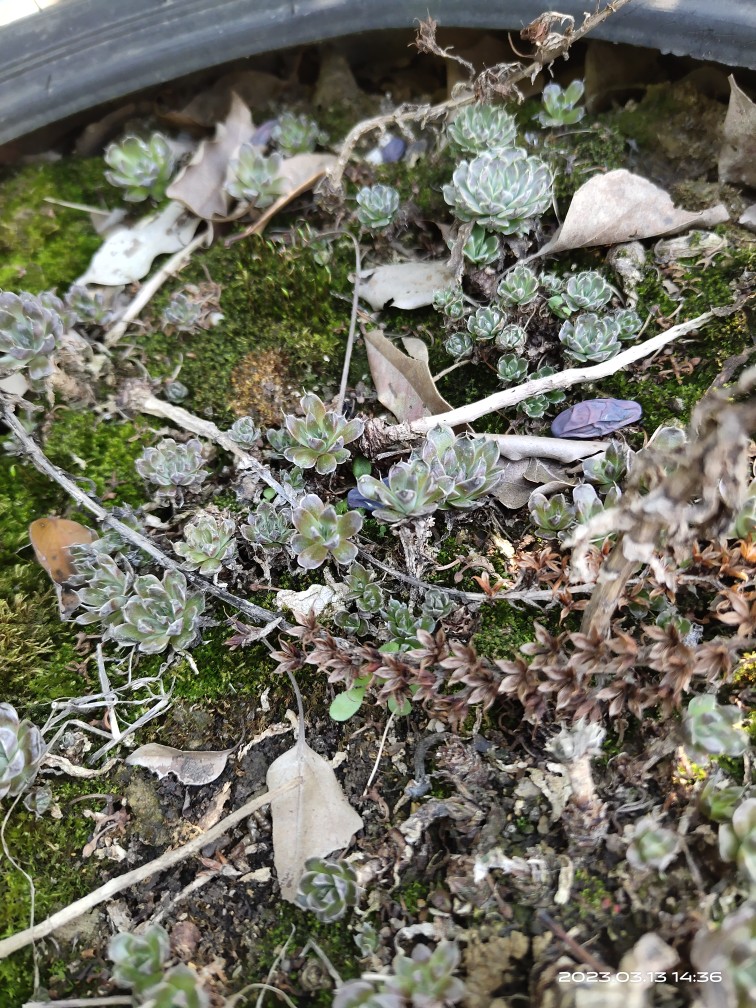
{"x": 402, "y": 381}
{"x": 621, "y": 207}
{"x": 405, "y": 285}
{"x": 128, "y": 252}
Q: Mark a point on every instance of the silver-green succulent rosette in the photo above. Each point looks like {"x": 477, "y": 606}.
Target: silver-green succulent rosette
{"x": 244, "y": 432}
{"x": 590, "y": 338}
{"x": 22, "y": 750}
{"x": 328, "y": 888}
{"x": 322, "y": 533}
{"x": 503, "y": 192}
{"x": 377, "y": 206}
{"x": 159, "y": 614}
{"x": 479, "y": 128}
{"x": 139, "y": 959}
{"x": 208, "y": 543}
{"x": 319, "y": 437}
{"x": 481, "y": 248}
{"x": 180, "y": 987}
{"x": 29, "y": 335}
{"x": 173, "y": 466}
{"x": 254, "y": 178}
{"x": 142, "y": 168}
{"x": 410, "y": 490}
{"x": 519, "y": 287}
{"x": 467, "y": 468}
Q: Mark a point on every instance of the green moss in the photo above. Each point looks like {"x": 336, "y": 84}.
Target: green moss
{"x": 50, "y": 851}
{"x": 275, "y": 301}
{"x": 579, "y": 154}
{"x": 43, "y": 245}
{"x": 101, "y": 451}
{"x": 504, "y": 629}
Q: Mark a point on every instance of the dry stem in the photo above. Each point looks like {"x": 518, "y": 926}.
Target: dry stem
{"x": 429, "y": 113}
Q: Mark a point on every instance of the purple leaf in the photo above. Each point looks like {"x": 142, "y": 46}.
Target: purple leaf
{"x": 595, "y": 417}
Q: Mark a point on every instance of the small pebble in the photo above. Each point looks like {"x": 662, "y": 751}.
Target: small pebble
{"x": 595, "y": 417}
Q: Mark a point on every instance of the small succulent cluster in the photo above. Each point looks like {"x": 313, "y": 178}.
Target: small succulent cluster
{"x": 141, "y": 167}
{"x": 269, "y": 526}
{"x": 478, "y": 128}
{"x": 322, "y": 533}
{"x": 30, "y": 330}
{"x": 511, "y": 369}
{"x": 481, "y": 248}
{"x": 245, "y": 432}
{"x": 536, "y": 406}
{"x": 503, "y": 191}
{"x": 421, "y": 980}
{"x": 556, "y": 516}
{"x": 317, "y": 440}
{"x": 296, "y": 134}
{"x": 159, "y": 614}
{"x": 363, "y": 589}
{"x": 173, "y": 467}
{"x": 451, "y": 302}
{"x": 591, "y": 338}
{"x": 208, "y": 543}
{"x": 254, "y": 178}
{"x": 486, "y": 323}
{"x": 87, "y": 306}
{"x": 519, "y": 287}
{"x": 559, "y": 105}
{"x": 652, "y": 845}
{"x": 328, "y": 888}
{"x": 609, "y": 467}
{"x": 105, "y": 586}
{"x": 402, "y": 625}
{"x": 377, "y": 206}
{"x": 448, "y": 472}
{"x": 139, "y": 963}
{"x": 182, "y": 313}
{"x": 713, "y": 729}
{"x": 22, "y": 750}
{"x": 585, "y": 291}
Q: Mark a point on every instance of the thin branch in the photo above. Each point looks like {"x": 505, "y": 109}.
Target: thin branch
{"x": 428, "y": 113}
{"x": 166, "y": 860}
{"x": 565, "y": 379}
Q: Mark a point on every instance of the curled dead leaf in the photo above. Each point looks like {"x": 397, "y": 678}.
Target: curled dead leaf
{"x": 403, "y": 381}
{"x": 622, "y": 207}
{"x": 190, "y": 767}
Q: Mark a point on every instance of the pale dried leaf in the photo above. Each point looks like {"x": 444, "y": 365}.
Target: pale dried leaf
{"x": 737, "y": 156}
{"x": 188, "y": 766}
{"x": 316, "y": 599}
{"x": 748, "y": 217}
{"x": 405, "y": 285}
{"x": 200, "y": 185}
{"x": 128, "y": 253}
{"x": 313, "y": 820}
{"x": 304, "y": 170}
{"x": 403, "y": 383}
{"x": 621, "y": 207}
